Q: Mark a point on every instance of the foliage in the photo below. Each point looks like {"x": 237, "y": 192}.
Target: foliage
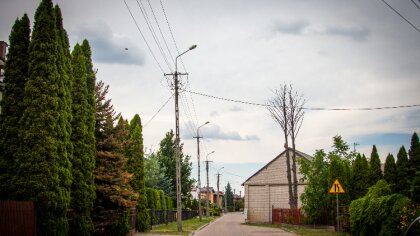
{"x": 378, "y": 212}
{"x": 214, "y": 210}
{"x": 121, "y": 227}
{"x": 163, "y": 204}
{"x": 402, "y": 179}
{"x": 43, "y": 171}
{"x": 415, "y": 188}
{"x": 375, "y": 172}
{"x": 83, "y": 162}
{"x": 315, "y": 174}
{"x": 414, "y": 156}
{"x": 114, "y": 193}
{"x": 16, "y": 73}
{"x": 229, "y": 196}
{"x": 167, "y": 164}
{"x": 143, "y": 217}
{"x": 239, "y": 204}
{"x": 169, "y": 203}
{"x": 390, "y": 171}
{"x": 360, "y": 178}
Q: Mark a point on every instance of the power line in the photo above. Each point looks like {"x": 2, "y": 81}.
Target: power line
{"x": 170, "y": 30}
{"x": 147, "y": 44}
{"x": 306, "y": 108}
{"x": 152, "y": 31}
{"x": 158, "y": 110}
{"x": 415, "y": 4}
{"x": 418, "y": 30}
{"x": 160, "y": 30}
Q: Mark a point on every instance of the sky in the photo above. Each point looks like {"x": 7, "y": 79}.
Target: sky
{"x": 337, "y": 54}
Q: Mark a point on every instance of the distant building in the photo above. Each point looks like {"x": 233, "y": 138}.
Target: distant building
{"x": 268, "y": 188}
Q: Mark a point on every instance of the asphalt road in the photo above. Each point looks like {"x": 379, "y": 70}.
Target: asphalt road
{"x": 230, "y": 225}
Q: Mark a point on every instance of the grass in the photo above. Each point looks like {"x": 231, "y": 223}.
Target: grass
{"x": 304, "y": 231}
{"x": 188, "y": 226}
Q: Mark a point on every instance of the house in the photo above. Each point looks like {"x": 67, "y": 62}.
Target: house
{"x": 268, "y": 188}
{"x": 210, "y": 193}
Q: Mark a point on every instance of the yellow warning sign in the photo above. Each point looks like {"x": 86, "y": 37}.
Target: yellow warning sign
{"x": 337, "y": 188}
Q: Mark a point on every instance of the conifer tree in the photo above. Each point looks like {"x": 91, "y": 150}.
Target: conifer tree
{"x": 83, "y": 188}
{"x": 360, "y": 177}
{"x": 414, "y": 154}
{"x": 375, "y": 172}
{"x": 16, "y": 75}
{"x": 114, "y": 193}
{"x": 390, "y": 171}
{"x": 44, "y": 168}
{"x": 403, "y": 183}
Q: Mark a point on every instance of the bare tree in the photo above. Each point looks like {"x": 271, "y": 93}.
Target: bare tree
{"x": 279, "y": 112}
{"x": 286, "y": 108}
{"x": 295, "y": 120}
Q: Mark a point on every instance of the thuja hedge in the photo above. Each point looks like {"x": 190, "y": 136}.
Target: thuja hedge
{"x": 381, "y": 213}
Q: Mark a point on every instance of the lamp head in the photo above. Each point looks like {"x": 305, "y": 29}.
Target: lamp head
{"x": 207, "y": 122}
{"x": 192, "y": 47}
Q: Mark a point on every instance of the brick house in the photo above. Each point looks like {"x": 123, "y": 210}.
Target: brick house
{"x": 268, "y": 188}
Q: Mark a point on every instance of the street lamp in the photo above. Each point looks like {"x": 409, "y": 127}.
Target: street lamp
{"x": 198, "y": 163}
{"x": 218, "y": 175}
{"x": 207, "y": 192}
{"x": 177, "y": 151}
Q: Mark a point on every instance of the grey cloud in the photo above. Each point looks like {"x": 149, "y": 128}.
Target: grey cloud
{"x": 214, "y": 113}
{"x": 294, "y": 27}
{"x": 215, "y": 132}
{"x": 109, "y": 48}
{"x": 236, "y": 108}
{"x": 356, "y": 34}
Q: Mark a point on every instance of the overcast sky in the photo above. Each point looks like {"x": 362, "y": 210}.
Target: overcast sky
{"x": 338, "y": 54}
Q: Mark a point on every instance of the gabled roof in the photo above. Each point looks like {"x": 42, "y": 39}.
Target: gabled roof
{"x": 298, "y": 153}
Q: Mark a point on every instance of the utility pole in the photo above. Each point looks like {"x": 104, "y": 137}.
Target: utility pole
{"x": 354, "y": 146}
{"x": 207, "y": 193}
{"x": 234, "y": 208}
{"x": 226, "y": 199}
{"x": 177, "y": 151}
{"x": 198, "y": 163}
{"x": 218, "y": 178}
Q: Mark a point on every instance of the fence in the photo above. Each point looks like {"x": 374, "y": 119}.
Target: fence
{"x": 285, "y": 215}
{"x": 17, "y": 218}
{"x": 166, "y": 216}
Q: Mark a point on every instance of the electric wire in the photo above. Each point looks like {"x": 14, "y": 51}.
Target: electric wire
{"x": 170, "y": 30}
{"x": 418, "y": 6}
{"x": 306, "y": 108}
{"x": 161, "y": 33}
{"x": 167, "y": 101}
{"x": 144, "y": 38}
{"x": 152, "y": 31}
{"x": 412, "y": 25}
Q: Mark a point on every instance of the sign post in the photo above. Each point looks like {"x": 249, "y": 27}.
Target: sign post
{"x": 336, "y": 189}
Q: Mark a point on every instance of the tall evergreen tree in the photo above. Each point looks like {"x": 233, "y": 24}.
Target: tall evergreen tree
{"x": 166, "y": 158}
{"x": 414, "y": 154}
{"x": 360, "y": 177}
{"x": 403, "y": 183}
{"x": 16, "y": 74}
{"x": 44, "y": 168}
{"x": 83, "y": 188}
{"x": 229, "y": 196}
{"x": 135, "y": 165}
{"x": 114, "y": 193}
{"x": 375, "y": 172}
{"x": 390, "y": 171}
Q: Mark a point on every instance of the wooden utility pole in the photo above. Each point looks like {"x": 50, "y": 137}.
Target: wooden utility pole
{"x": 207, "y": 193}
{"x": 199, "y": 181}
{"x": 218, "y": 178}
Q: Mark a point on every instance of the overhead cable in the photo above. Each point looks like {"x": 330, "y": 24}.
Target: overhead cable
{"x": 418, "y": 30}
{"x": 142, "y": 35}
{"x": 158, "y": 110}
{"x": 306, "y": 108}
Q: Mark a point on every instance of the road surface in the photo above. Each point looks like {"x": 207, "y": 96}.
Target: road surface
{"x": 230, "y": 225}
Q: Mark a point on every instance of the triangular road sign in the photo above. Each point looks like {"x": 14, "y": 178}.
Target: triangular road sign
{"x": 337, "y": 188}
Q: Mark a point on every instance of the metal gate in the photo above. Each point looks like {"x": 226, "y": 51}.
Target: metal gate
{"x": 17, "y": 218}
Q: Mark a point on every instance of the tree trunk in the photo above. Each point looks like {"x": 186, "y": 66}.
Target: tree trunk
{"x": 295, "y": 180}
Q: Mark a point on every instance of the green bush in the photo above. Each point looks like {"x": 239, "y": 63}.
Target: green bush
{"x": 121, "y": 227}
{"x": 215, "y": 211}
{"x": 378, "y": 212}
{"x": 142, "y": 217}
